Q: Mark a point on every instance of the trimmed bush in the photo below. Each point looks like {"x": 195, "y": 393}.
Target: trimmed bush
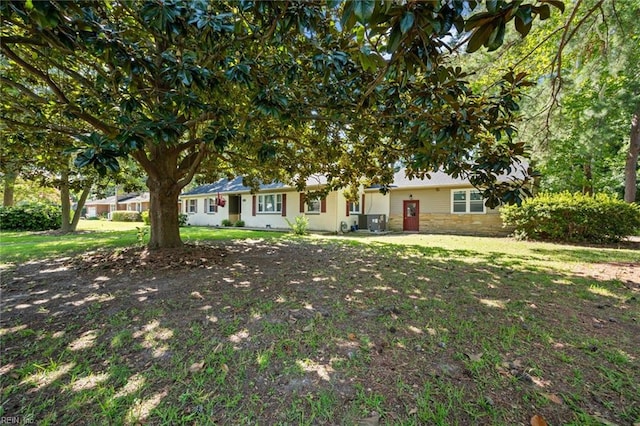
{"x": 145, "y": 217}
{"x": 30, "y": 217}
{"x": 239, "y": 223}
{"x": 573, "y": 218}
{"x": 126, "y": 216}
{"x": 226, "y": 222}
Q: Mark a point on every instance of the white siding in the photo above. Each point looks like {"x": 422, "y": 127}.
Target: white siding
{"x": 201, "y": 217}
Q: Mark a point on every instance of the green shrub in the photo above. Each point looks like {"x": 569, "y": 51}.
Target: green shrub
{"x": 226, "y": 222}
{"x": 239, "y": 223}
{"x": 573, "y": 217}
{"x": 183, "y": 218}
{"x": 126, "y": 216}
{"x": 30, "y": 217}
{"x": 299, "y": 226}
{"x": 145, "y": 217}
{"x": 141, "y": 234}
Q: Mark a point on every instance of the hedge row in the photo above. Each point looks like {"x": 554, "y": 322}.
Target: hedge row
{"x": 183, "y": 218}
{"x": 573, "y": 218}
{"x": 30, "y": 217}
{"x": 126, "y": 216}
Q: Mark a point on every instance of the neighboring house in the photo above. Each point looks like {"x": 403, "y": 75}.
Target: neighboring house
{"x": 440, "y": 204}
{"x": 102, "y": 207}
{"x": 138, "y": 203}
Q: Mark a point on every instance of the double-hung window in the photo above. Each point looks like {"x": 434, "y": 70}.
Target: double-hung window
{"x": 354, "y": 207}
{"x": 314, "y": 205}
{"x": 270, "y": 203}
{"x": 467, "y": 201}
{"x": 212, "y": 207}
{"x": 192, "y": 206}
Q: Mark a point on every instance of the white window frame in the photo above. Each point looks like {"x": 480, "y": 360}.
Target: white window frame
{"x": 270, "y": 204}
{"x": 468, "y": 202}
{"x": 314, "y": 205}
{"x": 211, "y": 206}
{"x": 354, "y": 207}
{"x": 192, "y": 206}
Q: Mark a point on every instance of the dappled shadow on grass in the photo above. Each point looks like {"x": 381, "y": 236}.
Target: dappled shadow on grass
{"x": 316, "y": 332}
{"x": 585, "y": 255}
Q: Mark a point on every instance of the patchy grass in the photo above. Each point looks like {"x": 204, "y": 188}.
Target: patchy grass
{"x": 407, "y": 330}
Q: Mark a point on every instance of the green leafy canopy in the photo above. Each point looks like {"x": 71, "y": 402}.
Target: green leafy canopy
{"x": 269, "y": 90}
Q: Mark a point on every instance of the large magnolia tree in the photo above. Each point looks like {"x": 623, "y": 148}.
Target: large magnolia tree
{"x": 268, "y": 89}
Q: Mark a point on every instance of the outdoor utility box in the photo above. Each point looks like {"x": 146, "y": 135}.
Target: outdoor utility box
{"x": 362, "y": 222}
{"x": 377, "y": 222}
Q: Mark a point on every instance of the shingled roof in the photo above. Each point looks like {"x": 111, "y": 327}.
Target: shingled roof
{"x": 226, "y": 185}
{"x": 441, "y": 179}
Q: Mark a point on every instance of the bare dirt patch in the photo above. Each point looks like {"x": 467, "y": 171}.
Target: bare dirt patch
{"x": 626, "y": 272}
{"x": 304, "y": 332}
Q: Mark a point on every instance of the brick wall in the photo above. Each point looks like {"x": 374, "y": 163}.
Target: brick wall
{"x": 466, "y": 224}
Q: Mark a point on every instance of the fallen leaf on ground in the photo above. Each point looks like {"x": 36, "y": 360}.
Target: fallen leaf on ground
{"x": 553, "y": 397}
{"x": 196, "y": 366}
{"x": 538, "y": 420}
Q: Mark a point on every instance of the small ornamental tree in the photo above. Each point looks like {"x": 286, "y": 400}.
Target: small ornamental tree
{"x": 268, "y": 89}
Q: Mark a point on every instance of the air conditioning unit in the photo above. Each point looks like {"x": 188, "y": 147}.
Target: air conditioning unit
{"x": 363, "y": 222}
{"x": 377, "y": 222}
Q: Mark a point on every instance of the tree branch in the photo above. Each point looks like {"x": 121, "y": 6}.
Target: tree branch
{"x": 207, "y": 116}
{"x": 21, "y": 40}
{"x": 24, "y": 90}
{"x": 566, "y": 37}
{"x": 86, "y": 84}
{"x": 202, "y": 152}
{"x": 48, "y": 126}
{"x": 141, "y": 157}
{"x": 95, "y": 122}
{"x": 35, "y": 72}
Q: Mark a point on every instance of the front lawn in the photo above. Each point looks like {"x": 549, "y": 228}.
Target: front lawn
{"x": 424, "y": 330}
{"x": 18, "y": 247}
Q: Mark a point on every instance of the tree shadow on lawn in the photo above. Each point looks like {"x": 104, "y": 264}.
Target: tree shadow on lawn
{"x": 314, "y": 333}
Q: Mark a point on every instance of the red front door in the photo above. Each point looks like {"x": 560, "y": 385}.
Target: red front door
{"x": 410, "y": 215}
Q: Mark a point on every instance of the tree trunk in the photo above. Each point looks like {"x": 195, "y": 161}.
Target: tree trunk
{"x": 163, "y": 215}
{"x": 76, "y": 215}
{"x": 65, "y": 202}
{"x": 9, "y": 186}
{"x": 631, "y": 164}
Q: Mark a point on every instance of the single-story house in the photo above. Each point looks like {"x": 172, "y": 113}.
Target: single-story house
{"x": 104, "y": 206}
{"x": 138, "y": 203}
{"x": 440, "y": 204}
